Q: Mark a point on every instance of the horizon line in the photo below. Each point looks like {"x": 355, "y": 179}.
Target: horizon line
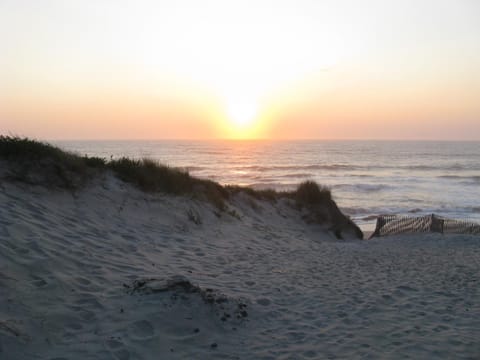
{"x": 262, "y": 139}
{"x": 242, "y": 139}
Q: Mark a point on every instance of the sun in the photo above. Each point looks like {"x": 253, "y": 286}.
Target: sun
{"x": 242, "y": 114}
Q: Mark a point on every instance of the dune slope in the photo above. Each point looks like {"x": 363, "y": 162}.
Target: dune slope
{"x": 110, "y": 272}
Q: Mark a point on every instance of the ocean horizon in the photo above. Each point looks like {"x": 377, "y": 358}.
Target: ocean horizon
{"x": 367, "y": 178}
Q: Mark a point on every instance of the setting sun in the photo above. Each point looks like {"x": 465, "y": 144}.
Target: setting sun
{"x": 242, "y": 114}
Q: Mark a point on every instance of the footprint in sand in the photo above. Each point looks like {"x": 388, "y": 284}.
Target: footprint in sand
{"x": 406, "y": 288}
{"x": 263, "y": 302}
{"x": 310, "y": 354}
{"x": 22, "y": 250}
{"x": 113, "y": 344}
{"x": 90, "y": 301}
{"x": 82, "y": 281}
{"x": 39, "y": 282}
{"x": 122, "y": 354}
{"x": 142, "y": 329}
{"x": 87, "y": 315}
{"x": 74, "y": 326}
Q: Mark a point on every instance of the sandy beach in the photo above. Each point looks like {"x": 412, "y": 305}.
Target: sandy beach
{"x": 111, "y": 272}
{"x": 249, "y": 180}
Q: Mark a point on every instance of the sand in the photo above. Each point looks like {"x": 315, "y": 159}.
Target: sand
{"x": 110, "y": 272}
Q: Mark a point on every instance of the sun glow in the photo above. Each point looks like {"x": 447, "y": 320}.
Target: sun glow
{"x": 239, "y": 69}
{"x": 236, "y": 54}
{"x": 236, "y": 57}
{"x": 241, "y": 113}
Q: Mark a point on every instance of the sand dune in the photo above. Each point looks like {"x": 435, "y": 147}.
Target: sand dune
{"x": 110, "y": 272}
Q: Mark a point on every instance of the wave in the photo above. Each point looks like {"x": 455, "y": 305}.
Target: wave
{"x": 272, "y": 185}
{"x": 375, "y": 211}
{"x": 474, "y": 178}
{"x": 295, "y": 167}
{"x": 450, "y": 177}
{"x": 301, "y": 170}
{"x": 195, "y": 168}
{"x": 363, "y": 187}
{"x": 424, "y": 167}
{"x": 355, "y": 210}
{"x": 296, "y": 175}
{"x": 369, "y": 218}
{"x": 452, "y": 167}
{"x": 414, "y": 211}
{"x": 419, "y": 167}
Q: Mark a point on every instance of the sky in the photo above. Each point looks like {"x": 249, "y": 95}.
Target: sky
{"x": 187, "y": 69}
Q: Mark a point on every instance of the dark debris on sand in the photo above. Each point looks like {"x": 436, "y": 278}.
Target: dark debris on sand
{"x": 180, "y": 287}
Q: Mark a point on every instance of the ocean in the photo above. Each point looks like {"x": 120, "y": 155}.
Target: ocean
{"x": 367, "y": 178}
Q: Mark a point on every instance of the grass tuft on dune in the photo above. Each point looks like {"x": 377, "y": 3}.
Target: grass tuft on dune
{"x": 310, "y": 193}
{"x": 151, "y": 176}
{"x": 36, "y": 162}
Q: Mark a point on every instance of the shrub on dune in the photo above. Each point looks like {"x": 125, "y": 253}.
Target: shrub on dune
{"x": 23, "y": 149}
{"x": 37, "y": 162}
{"x": 149, "y": 175}
{"x": 310, "y": 193}
{"x": 266, "y": 194}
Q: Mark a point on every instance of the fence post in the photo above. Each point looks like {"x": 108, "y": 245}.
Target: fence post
{"x": 437, "y": 224}
{"x": 380, "y": 223}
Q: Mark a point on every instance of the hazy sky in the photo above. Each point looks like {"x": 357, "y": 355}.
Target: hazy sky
{"x": 278, "y": 69}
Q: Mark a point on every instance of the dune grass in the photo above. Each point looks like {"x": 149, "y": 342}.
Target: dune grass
{"x": 37, "y": 162}
{"x": 23, "y": 149}
{"x": 310, "y": 193}
{"x": 266, "y": 194}
{"x": 65, "y": 169}
{"x": 151, "y": 176}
